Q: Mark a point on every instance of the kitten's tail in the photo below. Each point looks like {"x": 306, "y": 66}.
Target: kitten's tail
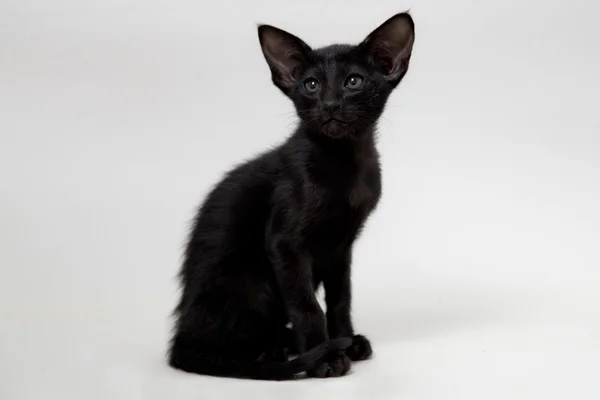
{"x": 190, "y": 360}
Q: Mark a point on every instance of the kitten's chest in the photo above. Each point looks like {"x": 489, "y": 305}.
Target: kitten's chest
{"x": 348, "y": 189}
{"x": 338, "y": 210}
{"x": 364, "y": 188}
{"x": 341, "y": 191}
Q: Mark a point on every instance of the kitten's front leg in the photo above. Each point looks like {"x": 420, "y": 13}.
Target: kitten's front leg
{"x": 294, "y": 275}
{"x": 338, "y": 296}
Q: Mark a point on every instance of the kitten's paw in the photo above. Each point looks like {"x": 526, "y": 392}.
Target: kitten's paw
{"x": 360, "y": 349}
{"x": 338, "y": 365}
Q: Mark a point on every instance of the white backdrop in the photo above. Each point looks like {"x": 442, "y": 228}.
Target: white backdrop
{"x": 477, "y": 277}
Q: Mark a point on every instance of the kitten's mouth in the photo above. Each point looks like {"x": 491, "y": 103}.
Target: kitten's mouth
{"x": 334, "y": 121}
{"x": 335, "y": 128}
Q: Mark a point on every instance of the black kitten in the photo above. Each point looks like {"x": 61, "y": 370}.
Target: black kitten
{"x": 277, "y": 227}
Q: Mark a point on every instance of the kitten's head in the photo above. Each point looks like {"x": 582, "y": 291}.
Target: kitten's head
{"x": 340, "y": 90}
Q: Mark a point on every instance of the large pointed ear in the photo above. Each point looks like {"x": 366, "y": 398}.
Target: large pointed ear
{"x": 389, "y": 47}
{"x": 285, "y": 54}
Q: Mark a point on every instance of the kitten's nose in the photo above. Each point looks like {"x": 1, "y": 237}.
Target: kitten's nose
{"x": 330, "y": 106}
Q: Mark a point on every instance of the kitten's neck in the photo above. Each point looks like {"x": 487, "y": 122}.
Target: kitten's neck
{"x": 357, "y": 143}
{"x": 341, "y": 163}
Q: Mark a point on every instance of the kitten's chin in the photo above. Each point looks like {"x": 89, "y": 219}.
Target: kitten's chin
{"x": 335, "y": 129}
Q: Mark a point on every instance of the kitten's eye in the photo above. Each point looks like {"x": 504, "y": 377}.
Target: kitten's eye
{"x": 354, "y": 82}
{"x": 311, "y": 85}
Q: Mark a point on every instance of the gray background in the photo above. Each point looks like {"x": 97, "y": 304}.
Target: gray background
{"x": 477, "y": 277}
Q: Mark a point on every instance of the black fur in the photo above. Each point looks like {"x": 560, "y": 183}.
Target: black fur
{"x": 277, "y": 227}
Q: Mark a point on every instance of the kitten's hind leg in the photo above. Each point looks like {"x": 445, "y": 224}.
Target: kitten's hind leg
{"x": 283, "y": 344}
{"x": 276, "y": 354}
{"x": 289, "y": 340}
